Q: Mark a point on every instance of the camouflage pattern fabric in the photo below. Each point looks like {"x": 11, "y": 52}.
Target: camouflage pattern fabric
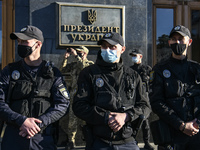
{"x": 71, "y": 71}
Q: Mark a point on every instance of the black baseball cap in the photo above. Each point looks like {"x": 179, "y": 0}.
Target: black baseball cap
{"x": 135, "y": 52}
{"x": 181, "y": 30}
{"x": 28, "y": 33}
{"x": 113, "y": 38}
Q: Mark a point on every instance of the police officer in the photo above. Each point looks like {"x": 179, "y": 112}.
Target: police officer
{"x": 110, "y": 98}
{"x": 175, "y": 94}
{"x": 32, "y": 96}
{"x": 144, "y": 72}
{"x": 73, "y": 68}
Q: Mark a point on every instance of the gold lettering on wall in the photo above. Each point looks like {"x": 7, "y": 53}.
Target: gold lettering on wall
{"x": 88, "y": 33}
{"x": 90, "y": 29}
{"x": 80, "y": 38}
{"x": 110, "y": 29}
{"x": 79, "y": 29}
{"x": 74, "y": 37}
{"x": 86, "y": 37}
{"x": 73, "y": 28}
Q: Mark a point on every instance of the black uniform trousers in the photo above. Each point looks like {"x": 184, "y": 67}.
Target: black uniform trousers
{"x": 184, "y": 142}
{"x": 146, "y": 130}
{"x": 13, "y": 141}
{"x": 100, "y": 145}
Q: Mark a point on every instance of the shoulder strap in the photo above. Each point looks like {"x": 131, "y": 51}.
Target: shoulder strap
{"x": 128, "y": 74}
{"x": 97, "y": 73}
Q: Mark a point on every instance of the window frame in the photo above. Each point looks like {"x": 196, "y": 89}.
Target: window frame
{"x": 177, "y": 7}
{"x": 8, "y": 26}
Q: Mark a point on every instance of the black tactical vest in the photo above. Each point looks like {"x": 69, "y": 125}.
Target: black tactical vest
{"x": 108, "y": 98}
{"x": 28, "y": 95}
{"x": 104, "y": 91}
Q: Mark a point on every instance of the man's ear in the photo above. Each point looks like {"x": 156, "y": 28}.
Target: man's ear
{"x": 39, "y": 44}
{"x": 190, "y": 42}
{"x": 123, "y": 49}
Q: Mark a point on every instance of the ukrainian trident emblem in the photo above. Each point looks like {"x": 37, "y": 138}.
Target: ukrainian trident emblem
{"x": 92, "y": 16}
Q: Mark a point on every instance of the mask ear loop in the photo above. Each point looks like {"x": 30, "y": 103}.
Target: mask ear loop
{"x": 33, "y": 45}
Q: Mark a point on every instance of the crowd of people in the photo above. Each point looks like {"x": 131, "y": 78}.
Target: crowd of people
{"x": 109, "y": 100}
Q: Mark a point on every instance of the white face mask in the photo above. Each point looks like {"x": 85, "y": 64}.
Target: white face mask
{"x": 135, "y": 59}
{"x": 108, "y": 55}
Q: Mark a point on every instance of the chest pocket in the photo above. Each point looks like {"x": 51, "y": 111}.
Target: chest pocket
{"x": 174, "y": 88}
{"x": 108, "y": 100}
{"x": 21, "y": 89}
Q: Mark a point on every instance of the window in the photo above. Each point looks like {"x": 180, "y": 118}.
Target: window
{"x": 167, "y": 14}
{"x": 195, "y": 32}
{"x": 164, "y": 24}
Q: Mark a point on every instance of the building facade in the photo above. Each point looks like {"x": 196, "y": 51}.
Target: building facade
{"x": 146, "y": 25}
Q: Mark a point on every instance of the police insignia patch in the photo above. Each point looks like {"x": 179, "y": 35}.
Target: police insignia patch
{"x": 99, "y": 82}
{"x": 107, "y": 35}
{"x": 65, "y": 94}
{"x": 24, "y": 29}
{"x": 177, "y": 28}
{"x": 63, "y": 91}
{"x": 166, "y": 73}
{"x": 15, "y": 75}
{"x": 151, "y": 76}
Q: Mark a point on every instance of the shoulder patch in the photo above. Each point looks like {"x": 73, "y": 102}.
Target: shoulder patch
{"x": 99, "y": 82}
{"x": 63, "y": 91}
{"x": 15, "y": 75}
{"x": 166, "y": 73}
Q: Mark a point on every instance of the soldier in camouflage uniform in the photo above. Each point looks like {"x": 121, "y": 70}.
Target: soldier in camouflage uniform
{"x": 73, "y": 69}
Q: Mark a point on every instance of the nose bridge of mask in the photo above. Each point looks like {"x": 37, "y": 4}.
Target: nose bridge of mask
{"x": 107, "y": 49}
{"x": 111, "y": 52}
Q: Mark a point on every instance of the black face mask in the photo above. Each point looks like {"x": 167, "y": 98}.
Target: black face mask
{"x": 178, "y": 49}
{"x": 24, "y": 51}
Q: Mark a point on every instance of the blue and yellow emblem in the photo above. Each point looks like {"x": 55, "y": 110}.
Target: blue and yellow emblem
{"x": 99, "y": 82}
{"x": 63, "y": 91}
{"x": 15, "y": 75}
{"x": 166, "y": 73}
{"x": 151, "y": 76}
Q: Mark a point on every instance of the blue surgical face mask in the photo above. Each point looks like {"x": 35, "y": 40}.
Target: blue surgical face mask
{"x": 135, "y": 59}
{"x": 108, "y": 55}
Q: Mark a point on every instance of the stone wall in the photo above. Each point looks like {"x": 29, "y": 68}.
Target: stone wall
{"x": 42, "y": 14}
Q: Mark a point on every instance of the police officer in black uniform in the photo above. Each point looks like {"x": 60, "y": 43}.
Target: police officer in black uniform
{"x": 110, "y": 98}
{"x": 144, "y": 72}
{"x": 32, "y": 96}
{"x": 175, "y": 94}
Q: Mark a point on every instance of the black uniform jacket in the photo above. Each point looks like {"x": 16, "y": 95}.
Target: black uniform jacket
{"x": 175, "y": 91}
{"x": 20, "y": 73}
{"x": 144, "y": 72}
{"x": 105, "y": 87}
